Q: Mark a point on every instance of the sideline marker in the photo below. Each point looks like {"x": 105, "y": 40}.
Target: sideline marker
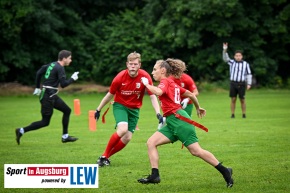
{"x": 77, "y": 106}
{"x": 92, "y": 121}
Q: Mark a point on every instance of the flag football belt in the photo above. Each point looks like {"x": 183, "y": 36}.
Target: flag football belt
{"x": 178, "y": 116}
{"x": 190, "y": 122}
{"x": 50, "y": 87}
{"x": 103, "y": 117}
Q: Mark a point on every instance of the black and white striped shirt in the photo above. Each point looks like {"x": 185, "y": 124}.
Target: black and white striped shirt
{"x": 239, "y": 71}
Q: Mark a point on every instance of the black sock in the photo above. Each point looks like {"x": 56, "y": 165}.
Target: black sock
{"x": 223, "y": 170}
{"x": 155, "y": 172}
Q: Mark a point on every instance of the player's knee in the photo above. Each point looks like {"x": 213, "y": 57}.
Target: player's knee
{"x": 45, "y": 123}
{"x": 67, "y": 111}
{"x": 151, "y": 143}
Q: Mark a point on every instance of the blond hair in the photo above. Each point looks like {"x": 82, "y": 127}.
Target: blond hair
{"x": 133, "y": 56}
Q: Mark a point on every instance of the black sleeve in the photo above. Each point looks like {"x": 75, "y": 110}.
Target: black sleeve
{"x": 39, "y": 75}
{"x": 64, "y": 83}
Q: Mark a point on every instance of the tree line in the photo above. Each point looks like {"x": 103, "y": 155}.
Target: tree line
{"x": 101, "y": 33}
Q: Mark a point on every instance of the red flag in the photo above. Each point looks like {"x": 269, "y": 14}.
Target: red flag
{"x": 103, "y": 117}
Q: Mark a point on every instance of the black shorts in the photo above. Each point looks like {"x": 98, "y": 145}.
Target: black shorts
{"x": 238, "y": 88}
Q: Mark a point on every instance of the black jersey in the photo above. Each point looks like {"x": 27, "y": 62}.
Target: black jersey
{"x": 53, "y": 74}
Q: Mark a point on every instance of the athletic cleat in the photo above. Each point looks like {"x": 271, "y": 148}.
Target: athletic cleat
{"x": 244, "y": 115}
{"x": 150, "y": 180}
{"x": 69, "y": 139}
{"x": 18, "y": 136}
{"x": 230, "y": 181}
{"x": 233, "y": 116}
{"x": 103, "y": 161}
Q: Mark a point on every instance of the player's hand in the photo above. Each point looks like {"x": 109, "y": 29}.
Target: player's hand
{"x": 160, "y": 125}
{"x": 37, "y": 91}
{"x": 225, "y": 46}
{"x": 75, "y": 76}
{"x": 160, "y": 118}
{"x": 184, "y": 103}
{"x": 97, "y": 114}
{"x": 201, "y": 112}
{"x": 144, "y": 80}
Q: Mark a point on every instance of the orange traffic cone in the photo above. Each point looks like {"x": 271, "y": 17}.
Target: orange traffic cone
{"x": 92, "y": 121}
{"x": 77, "y": 106}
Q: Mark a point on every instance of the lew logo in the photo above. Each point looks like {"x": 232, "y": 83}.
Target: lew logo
{"x": 83, "y": 175}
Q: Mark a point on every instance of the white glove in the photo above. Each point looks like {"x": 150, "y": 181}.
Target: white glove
{"x": 225, "y": 46}
{"x": 144, "y": 81}
{"x": 37, "y": 91}
{"x": 184, "y": 103}
{"x": 75, "y": 76}
{"x": 160, "y": 125}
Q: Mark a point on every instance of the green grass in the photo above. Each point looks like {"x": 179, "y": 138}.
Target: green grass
{"x": 257, "y": 148}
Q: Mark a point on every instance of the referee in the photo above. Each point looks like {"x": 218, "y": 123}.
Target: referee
{"x": 240, "y": 77}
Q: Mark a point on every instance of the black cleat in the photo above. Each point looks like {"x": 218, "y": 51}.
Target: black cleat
{"x": 18, "y": 136}
{"x": 229, "y": 179}
{"x": 150, "y": 180}
{"x": 69, "y": 139}
{"x": 233, "y": 116}
{"x": 244, "y": 115}
{"x": 103, "y": 161}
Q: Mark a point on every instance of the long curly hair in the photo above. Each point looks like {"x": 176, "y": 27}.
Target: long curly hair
{"x": 177, "y": 67}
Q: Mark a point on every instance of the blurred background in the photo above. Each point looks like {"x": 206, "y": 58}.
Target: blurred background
{"x": 101, "y": 33}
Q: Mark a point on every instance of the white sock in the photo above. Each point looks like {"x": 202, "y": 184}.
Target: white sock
{"x": 64, "y": 136}
{"x": 21, "y": 130}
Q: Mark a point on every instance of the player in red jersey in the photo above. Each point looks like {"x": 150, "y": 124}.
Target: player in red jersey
{"x": 185, "y": 81}
{"x": 179, "y": 125}
{"x": 128, "y": 92}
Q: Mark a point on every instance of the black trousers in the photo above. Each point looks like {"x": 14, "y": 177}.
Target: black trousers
{"x": 48, "y": 103}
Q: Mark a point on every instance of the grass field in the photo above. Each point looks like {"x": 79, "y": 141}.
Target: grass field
{"x": 257, "y": 148}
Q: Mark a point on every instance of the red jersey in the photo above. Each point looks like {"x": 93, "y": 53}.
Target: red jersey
{"x": 170, "y": 99}
{"x": 129, "y": 91}
{"x": 185, "y": 81}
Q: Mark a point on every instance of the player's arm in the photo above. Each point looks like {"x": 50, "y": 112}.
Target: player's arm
{"x": 39, "y": 74}
{"x": 62, "y": 78}
{"x": 64, "y": 83}
{"x": 200, "y": 111}
{"x": 155, "y": 90}
{"x": 193, "y": 87}
{"x": 226, "y": 57}
{"x": 155, "y": 103}
{"x": 195, "y": 92}
{"x": 105, "y": 101}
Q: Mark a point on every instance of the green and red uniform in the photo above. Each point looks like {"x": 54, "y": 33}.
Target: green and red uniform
{"x": 175, "y": 128}
{"x": 129, "y": 92}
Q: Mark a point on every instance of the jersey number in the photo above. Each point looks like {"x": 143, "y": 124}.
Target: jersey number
{"x": 177, "y": 95}
{"x": 48, "y": 70}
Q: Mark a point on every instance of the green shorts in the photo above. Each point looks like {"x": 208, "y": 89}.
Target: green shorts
{"x": 176, "y": 129}
{"x": 188, "y": 109}
{"x": 124, "y": 114}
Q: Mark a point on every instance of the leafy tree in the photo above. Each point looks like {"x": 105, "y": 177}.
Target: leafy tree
{"x": 123, "y": 33}
{"x": 195, "y": 30}
{"x": 102, "y": 33}
{"x": 14, "y": 55}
